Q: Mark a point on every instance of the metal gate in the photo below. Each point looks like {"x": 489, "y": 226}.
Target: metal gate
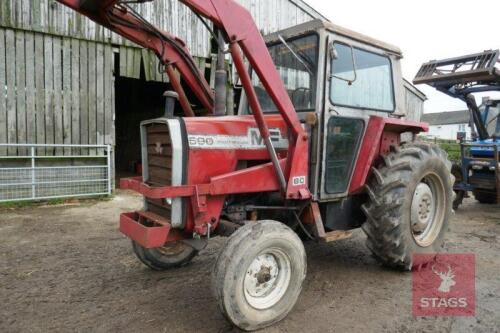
{"x": 43, "y": 172}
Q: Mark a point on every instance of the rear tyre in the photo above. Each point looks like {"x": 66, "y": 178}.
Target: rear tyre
{"x": 410, "y": 204}
{"x": 485, "y": 197}
{"x": 259, "y": 274}
{"x": 170, "y": 256}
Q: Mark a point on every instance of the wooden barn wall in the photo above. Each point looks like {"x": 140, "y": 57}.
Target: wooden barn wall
{"x": 51, "y": 17}
{"x": 55, "y": 90}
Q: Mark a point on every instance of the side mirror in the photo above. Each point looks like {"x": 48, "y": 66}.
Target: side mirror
{"x": 345, "y": 60}
{"x": 334, "y": 55}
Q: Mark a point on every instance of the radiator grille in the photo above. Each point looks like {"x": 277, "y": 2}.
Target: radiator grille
{"x": 159, "y": 165}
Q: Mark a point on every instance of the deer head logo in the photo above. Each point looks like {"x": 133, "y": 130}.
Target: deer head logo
{"x": 447, "y": 279}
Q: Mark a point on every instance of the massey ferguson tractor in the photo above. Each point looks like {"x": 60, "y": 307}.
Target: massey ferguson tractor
{"x": 314, "y": 152}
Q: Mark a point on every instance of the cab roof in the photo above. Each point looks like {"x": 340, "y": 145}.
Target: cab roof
{"x": 319, "y": 24}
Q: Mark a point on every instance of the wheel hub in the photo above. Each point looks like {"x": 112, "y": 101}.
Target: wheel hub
{"x": 423, "y": 207}
{"x": 267, "y": 279}
{"x": 172, "y": 249}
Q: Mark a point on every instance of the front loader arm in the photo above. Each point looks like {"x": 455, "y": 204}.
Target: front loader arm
{"x": 243, "y": 36}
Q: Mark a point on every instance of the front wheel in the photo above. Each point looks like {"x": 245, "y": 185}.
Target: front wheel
{"x": 259, "y": 274}
{"x": 170, "y": 256}
{"x": 410, "y": 205}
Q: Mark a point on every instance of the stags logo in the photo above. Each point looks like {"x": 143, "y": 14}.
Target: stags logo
{"x": 447, "y": 279}
{"x": 445, "y": 287}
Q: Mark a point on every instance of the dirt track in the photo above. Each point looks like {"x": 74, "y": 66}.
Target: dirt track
{"x": 68, "y": 269}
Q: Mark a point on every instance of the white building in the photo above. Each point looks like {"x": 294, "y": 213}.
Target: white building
{"x": 446, "y": 125}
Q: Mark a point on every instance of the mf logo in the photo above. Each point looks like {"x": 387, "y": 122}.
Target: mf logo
{"x": 258, "y": 141}
{"x": 158, "y": 148}
{"x": 445, "y": 287}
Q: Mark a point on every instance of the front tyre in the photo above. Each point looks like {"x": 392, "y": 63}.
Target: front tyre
{"x": 259, "y": 274}
{"x": 172, "y": 255}
{"x": 410, "y": 203}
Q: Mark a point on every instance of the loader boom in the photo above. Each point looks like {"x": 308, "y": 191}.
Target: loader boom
{"x": 244, "y": 38}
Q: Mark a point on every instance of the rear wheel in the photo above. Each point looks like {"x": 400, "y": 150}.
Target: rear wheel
{"x": 259, "y": 274}
{"x": 485, "y": 197}
{"x": 410, "y": 205}
{"x": 172, "y": 255}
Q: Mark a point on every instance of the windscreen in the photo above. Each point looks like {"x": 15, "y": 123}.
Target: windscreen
{"x": 297, "y": 64}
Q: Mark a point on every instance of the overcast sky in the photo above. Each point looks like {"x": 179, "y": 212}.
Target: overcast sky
{"x": 424, "y": 29}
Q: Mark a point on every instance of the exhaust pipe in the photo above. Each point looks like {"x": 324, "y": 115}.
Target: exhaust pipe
{"x": 220, "y": 79}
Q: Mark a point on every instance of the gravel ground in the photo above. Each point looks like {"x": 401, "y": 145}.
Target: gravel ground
{"x": 67, "y": 268}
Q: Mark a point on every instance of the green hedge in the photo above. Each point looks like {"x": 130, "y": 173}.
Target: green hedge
{"x": 451, "y": 147}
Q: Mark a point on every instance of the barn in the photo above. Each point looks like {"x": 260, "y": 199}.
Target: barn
{"x": 66, "y": 81}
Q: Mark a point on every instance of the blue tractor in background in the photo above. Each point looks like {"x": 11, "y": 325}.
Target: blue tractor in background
{"x": 463, "y": 78}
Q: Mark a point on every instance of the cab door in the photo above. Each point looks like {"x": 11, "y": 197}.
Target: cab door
{"x": 359, "y": 84}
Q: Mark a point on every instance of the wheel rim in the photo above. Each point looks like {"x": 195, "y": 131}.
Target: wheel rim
{"x": 428, "y": 210}
{"x": 267, "y": 279}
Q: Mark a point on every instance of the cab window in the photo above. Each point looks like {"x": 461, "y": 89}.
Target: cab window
{"x": 297, "y": 63}
{"x": 361, "y": 79}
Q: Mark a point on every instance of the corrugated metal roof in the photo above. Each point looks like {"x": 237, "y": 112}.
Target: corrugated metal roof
{"x": 446, "y": 118}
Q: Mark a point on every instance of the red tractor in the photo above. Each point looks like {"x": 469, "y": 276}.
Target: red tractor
{"x": 315, "y": 152}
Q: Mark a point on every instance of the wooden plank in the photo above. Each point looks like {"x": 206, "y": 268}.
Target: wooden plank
{"x": 84, "y": 99}
{"x": 36, "y": 15}
{"x": 123, "y": 61}
{"x": 10, "y": 58}
{"x": 30, "y": 88}
{"x": 137, "y": 63}
{"x": 213, "y": 68}
{"x": 146, "y": 58}
{"x": 39, "y": 92}
{"x": 58, "y": 98}
{"x": 3, "y": 84}
{"x": 92, "y": 94}
{"x": 75, "y": 90}
{"x": 67, "y": 94}
{"x": 20, "y": 67}
{"x": 129, "y": 71}
{"x": 109, "y": 112}
{"x": 100, "y": 94}
{"x": 49, "y": 92}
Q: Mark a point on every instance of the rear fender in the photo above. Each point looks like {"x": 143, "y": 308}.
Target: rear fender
{"x": 381, "y": 134}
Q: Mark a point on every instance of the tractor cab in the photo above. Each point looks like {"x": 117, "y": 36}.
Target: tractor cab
{"x": 340, "y": 79}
